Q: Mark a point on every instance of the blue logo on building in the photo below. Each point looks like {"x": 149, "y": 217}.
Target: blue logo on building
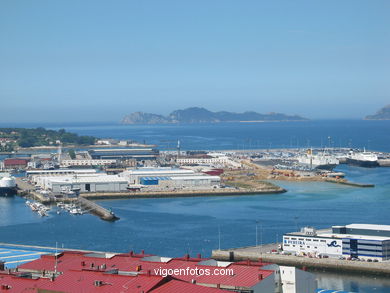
{"x": 333, "y": 244}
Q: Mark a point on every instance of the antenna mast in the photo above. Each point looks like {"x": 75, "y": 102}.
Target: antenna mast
{"x": 178, "y": 149}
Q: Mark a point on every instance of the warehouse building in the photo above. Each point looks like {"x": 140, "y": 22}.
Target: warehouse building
{"x": 134, "y": 176}
{"x": 362, "y": 241}
{"x": 140, "y": 154}
{"x": 83, "y": 163}
{"x": 85, "y": 184}
{"x": 211, "y": 159}
{"x": 12, "y": 163}
{"x": 181, "y": 182}
{"x": 35, "y": 175}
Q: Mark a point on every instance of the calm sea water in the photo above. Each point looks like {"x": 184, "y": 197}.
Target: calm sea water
{"x": 355, "y": 133}
{"x": 173, "y": 227}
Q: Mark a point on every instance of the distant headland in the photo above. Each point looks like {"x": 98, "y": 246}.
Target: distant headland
{"x": 382, "y": 114}
{"x": 202, "y": 115}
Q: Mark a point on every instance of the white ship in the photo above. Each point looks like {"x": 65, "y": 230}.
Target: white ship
{"x": 318, "y": 161}
{"x": 363, "y": 159}
{"x": 7, "y": 185}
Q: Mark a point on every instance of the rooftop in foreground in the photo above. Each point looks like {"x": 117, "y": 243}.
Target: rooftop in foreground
{"x": 77, "y": 271}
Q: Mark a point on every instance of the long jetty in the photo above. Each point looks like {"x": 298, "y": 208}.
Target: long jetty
{"x": 327, "y": 264}
{"x": 345, "y": 182}
{"x": 181, "y": 193}
{"x": 96, "y": 209}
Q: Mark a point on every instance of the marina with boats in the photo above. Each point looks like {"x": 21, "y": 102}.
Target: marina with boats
{"x": 43, "y": 210}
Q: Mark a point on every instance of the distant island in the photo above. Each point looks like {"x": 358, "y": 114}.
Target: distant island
{"x": 202, "y": 115}
{"x": 382, "y": 114}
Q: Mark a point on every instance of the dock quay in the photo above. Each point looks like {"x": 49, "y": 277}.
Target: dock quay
{"x": 27, "y": 189}
{"x": 96, "y": 209}
{"x": 326, "y": 264}
{"x": 384, "y": 162}
{"x": 345, "y": 182}
{"x": 181, "y": 193}
{"x": 23, "y": 186}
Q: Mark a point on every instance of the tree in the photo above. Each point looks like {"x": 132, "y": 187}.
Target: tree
{"x": 72, "y": 154}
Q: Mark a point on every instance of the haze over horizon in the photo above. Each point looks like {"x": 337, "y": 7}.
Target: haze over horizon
{"x": 98, "y": 60}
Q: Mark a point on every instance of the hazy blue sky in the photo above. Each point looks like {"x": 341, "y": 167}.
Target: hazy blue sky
{"x": 99, "y": 60}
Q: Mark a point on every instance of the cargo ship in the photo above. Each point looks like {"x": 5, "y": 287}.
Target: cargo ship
{"x": 7, "y": 185}
{"x": 362, "y": 159}
{"x": 321, "y": 161}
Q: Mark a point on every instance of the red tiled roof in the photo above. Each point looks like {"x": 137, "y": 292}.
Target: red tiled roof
{"x": 15, "y": 162}
{"x": 180, "y": 286}
{"x": 83, "y": 282}
{"x": 245, "y": 274}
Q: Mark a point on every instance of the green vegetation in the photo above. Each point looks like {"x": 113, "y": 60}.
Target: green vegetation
{"x": 7, "y": 146}
{"x": 29, "y": 137}
{"x": 72, "y": 154}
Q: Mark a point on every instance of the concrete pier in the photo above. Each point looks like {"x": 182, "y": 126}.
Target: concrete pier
{"x": 96, "y": 209}
{"x": 384, "y": 162}
{"x": 25, "y": 188}
{"x": 330, "y": 264}
{"x": 179, "y": 193}
{"x": 346, "y": 182}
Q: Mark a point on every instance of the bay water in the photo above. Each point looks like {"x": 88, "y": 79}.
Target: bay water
{"x": 176, "y": 226}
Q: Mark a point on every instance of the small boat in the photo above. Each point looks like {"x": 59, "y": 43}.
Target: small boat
{"x": 76, "y": 211}
{"x": 42, "y": 213}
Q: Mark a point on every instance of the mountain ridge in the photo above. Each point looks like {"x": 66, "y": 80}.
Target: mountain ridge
{"x": 202, "y": 115}
{"x": 381, "y": 114}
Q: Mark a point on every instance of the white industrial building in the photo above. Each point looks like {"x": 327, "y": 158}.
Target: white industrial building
{"x": 101, "y": 183}
{"x": 95, "y": 162}
{"x": 133, "y": 176}
{"x": 294, "y": 280}
{"x": 34, "y": 175}
{"x": 363, "y": 241}
{"x": 213, "y": 159}
{"x": 194, "y": 182}
{"x": 170, "y": 178}
{"x": 43, "y": 181}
